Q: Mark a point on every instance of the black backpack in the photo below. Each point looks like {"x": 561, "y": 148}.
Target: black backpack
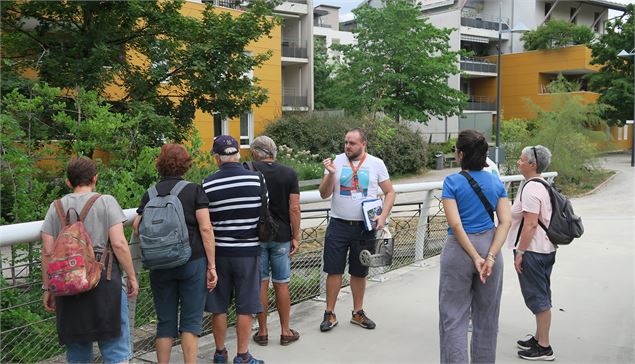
{"x": 564, "y": 225}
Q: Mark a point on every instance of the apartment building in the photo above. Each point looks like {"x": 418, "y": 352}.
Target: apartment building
{"x": 297, "y": 54}
{"x": 476, "y": 24}
{"x": 326, "y": 26}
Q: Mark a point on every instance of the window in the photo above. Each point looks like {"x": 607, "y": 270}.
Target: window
{"x": 573, "y": 17}
{"x": 246, "y": 129}
{"x": 596, "y": 27}
{"x": 547, "y": 10}
{"x": 625, "y": 129}
{"x": 620, "y": 132}
{"x": 220, "y": 125}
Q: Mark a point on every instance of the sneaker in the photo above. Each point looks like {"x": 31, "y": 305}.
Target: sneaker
{"x": 360, "y": 318}
{"x": 220, "y": 356}
{"x": 329, "y": 322}
{"x": 527, "y": 344}
{"x": 537, "y": 353}
{"x": 251, "y": 360}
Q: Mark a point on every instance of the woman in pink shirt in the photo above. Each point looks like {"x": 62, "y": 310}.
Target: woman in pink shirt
{"x": 534, "y": 254}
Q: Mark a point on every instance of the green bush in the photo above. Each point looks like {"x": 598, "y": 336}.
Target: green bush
{"x": 403, "y": 150}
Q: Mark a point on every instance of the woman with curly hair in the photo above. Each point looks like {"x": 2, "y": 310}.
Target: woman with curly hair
{"x": 179, "y": 293}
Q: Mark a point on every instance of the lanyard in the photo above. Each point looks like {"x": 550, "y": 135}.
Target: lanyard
{"x": 355, "y": 178}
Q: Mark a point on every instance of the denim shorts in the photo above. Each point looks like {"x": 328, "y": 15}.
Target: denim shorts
{"x": 275, "y": 256}
{"x": 342, "y": 238}
{"x": 115, "y": 350}
{"x": 183, "y": 289}
{"x": 535, "y": 280}
{"x": 237, "y": 277}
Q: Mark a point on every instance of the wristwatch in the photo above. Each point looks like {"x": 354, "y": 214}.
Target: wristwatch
{"x": 521, "y": 252}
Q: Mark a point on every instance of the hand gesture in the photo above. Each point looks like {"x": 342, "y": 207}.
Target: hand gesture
{"x": 479, "y": 262}
{"x": 329, "y": 165}
{"x": 49, "y": 301}
{"x": 518, "y": 263}
{"x": 212, "y": 278}
{"x": 294, "y": 247}
{"x": 487, "y": 270}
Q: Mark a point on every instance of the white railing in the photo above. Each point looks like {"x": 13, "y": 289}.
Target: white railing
{"x": 30, "y": 231}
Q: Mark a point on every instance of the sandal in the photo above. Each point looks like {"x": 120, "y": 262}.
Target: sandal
{"x": 289, "y": 339}
{"x": 261, "y": 340}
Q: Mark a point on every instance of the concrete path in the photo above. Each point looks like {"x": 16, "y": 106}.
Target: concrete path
{"x": 592, "y": 284}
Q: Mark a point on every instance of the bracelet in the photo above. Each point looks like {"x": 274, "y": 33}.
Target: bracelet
{"x": 211, "y": 268}
{"x": 492, "y": 259}
{"x": 489, "y": 254}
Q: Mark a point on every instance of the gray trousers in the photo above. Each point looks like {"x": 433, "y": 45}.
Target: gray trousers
{"x": 461, "y": 293}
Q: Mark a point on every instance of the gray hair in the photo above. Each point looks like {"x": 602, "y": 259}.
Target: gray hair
{"x": 264, "y": 147}
{"x": 542, "y": 156}
{"x": 229, "y": 158}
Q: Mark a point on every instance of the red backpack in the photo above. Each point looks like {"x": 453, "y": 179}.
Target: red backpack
{"x": 72, "y": 267}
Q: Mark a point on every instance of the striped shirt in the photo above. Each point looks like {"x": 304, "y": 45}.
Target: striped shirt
{"x": 234, "y": 208}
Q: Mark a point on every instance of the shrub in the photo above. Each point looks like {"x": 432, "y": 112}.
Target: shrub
{"x": 557, "y": 34}
{"x": 403, "y": 150}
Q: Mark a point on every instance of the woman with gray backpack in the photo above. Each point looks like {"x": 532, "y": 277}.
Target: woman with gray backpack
{"x": 177, "y": 246}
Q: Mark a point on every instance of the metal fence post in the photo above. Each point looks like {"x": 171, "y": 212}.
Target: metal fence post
{"x": 422, "y": 227}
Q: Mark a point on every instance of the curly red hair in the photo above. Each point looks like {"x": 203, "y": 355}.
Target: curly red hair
{"x": 173, "y": 160}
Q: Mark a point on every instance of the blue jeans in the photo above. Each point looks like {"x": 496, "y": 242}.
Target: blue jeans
{"x": 275, "y": 255}
{"x": 181, "y": 290}
{"x": 112, "y": 351}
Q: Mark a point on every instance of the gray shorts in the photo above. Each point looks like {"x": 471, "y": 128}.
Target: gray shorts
{"x": 237, "y": 277}
{"x": 535, "y": 280}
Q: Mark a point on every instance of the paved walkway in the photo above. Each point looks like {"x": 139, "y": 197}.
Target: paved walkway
{"x": 593, "y": 313}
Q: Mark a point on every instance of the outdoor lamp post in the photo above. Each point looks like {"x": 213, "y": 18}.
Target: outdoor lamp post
{"x": 626, "y": 54}
{"x": 519, "y": 28}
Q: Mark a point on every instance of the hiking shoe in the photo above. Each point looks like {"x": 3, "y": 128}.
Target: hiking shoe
{"x": 360, "y": 318}
{"x": 239, "y": 360}
{"x": 537, "y": 353}
{"x": 527, "y": 344}
{"x": 220, "y": 356}
{"x": 329, "y": 322}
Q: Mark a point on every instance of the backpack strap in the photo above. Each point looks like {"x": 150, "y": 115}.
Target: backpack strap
{"x": 87, "y": 206}
{"x": 60, "y": 212}
{"x": 178, "y": 187}
{"x": 152, "y": 192}
{"x": 479, "y": 192}
{"x": 250, "y": 166}
{"x": 548, "y": 187}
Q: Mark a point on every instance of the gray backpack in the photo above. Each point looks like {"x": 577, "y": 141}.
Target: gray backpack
{"x": 163, "y": 235}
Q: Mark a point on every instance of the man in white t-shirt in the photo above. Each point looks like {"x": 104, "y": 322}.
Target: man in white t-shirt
{"x": 351, "y": 178}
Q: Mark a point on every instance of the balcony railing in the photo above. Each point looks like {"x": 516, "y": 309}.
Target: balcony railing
{"x": 472, "y": 19}
{"x": 230, "y": 4}
{"x": 296, "y": 1}
{"x": 480, "y": 103}
{"x": 477, "y": 65}
{"x": 294, "y": 48}
{"x": 292, "y": 97}
{"x": 317, "y": 23}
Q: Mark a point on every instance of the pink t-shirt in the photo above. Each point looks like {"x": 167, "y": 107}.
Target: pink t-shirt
{"x": 535, "y": 199}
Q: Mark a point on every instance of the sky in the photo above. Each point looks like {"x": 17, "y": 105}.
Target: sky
{"x": 346, "y": 6}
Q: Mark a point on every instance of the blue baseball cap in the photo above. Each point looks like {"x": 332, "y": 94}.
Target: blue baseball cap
{"x": 225, "y": 145}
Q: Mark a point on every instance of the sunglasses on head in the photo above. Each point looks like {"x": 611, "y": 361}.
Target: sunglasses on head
{"x": 535, "y": 155}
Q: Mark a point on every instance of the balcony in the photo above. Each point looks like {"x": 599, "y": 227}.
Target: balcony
{"x": 478, "y": 67}
{"x": 482, "y": 21}
{"x": 230, "y": 4}
{"x": 480, "y": 103}
{"x": 294, "y": 48}
{"x": 292, "y": 98}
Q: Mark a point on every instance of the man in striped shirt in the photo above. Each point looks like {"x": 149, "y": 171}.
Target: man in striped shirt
{"x": 234, "y": 206}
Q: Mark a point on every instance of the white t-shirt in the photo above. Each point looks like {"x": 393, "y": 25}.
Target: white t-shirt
{"x": 492, "y": 168}
{"x": 536, "y": 200}
{"x": 346, "y": 202}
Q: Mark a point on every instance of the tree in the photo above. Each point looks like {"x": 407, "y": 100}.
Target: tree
{"x": 149, "y": 49}
{"x": 324, "y": 69}
{"x": 557, "y": 34}
{"x": 399, "y": 66}
{"x": 614, "y": 82}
